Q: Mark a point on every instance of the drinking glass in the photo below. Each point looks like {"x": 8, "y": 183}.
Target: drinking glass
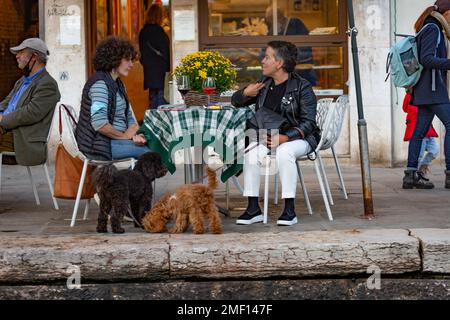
{"x": 209, "y": 87}
{"x": 184, "y": 85}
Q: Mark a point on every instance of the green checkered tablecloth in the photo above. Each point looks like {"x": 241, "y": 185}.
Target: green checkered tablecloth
{"x": 168, "y": 131}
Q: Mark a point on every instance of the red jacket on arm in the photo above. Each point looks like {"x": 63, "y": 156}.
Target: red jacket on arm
{"x": 411, "y": 120}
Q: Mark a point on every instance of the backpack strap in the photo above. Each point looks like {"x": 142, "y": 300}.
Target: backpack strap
{"x": 433, "y": 71}
{"x": 388, "y": 66}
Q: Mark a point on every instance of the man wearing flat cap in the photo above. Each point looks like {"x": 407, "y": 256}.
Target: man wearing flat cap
{"x": 27, "y": 112}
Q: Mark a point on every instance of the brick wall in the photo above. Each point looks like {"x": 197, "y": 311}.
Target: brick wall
{"x": 11, "y": 34}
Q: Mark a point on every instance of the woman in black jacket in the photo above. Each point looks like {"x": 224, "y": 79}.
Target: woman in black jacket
{"x": 286, "y": 98}
{"x": 155, "y": 55}
{"x": 430, "y": 94}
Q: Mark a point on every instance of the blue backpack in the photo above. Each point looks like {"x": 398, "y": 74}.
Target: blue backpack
{"x": 403, "y": 61}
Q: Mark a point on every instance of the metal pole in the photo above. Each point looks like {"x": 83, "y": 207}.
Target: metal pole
{"x": 362, "y": 124}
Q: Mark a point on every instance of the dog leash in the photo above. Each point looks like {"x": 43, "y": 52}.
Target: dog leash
{"x": 134, "y": 218}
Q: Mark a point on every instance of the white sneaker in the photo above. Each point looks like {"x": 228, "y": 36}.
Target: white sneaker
{"x": 287, "y": 219}
{"x": 287, "y": 222}
{"x": 247, "y": 218}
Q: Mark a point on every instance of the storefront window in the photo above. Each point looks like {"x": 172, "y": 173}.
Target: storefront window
{"x": 241, "y": 29}
{"x": 273, "y": 17}
{"x": 325, "y": 72}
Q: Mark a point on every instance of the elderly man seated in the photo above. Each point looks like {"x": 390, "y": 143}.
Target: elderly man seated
{"x": 27, "y": 112}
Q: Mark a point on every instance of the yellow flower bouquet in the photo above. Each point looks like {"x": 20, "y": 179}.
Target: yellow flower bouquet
{"x": 201, "y": 64}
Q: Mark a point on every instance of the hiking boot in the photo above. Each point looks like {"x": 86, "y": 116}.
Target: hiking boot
{"x": 415, "y": 179}
{"x": 287, "y": 218}
{"x": 425, "y": 170}
{"x": 250, "y": 218}
{"x": 447, "y": 179}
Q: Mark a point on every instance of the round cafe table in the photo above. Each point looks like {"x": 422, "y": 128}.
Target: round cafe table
{"x": 172, "y": 128}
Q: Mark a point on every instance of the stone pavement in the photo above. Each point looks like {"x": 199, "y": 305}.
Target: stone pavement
{"x": 410, "y": 235}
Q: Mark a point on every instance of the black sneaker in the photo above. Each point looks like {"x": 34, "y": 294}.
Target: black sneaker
{"x": 287, "y": 219}
{"x": 250, "y": 218}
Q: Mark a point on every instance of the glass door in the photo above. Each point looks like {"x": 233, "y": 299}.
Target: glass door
{"x": 124, "y": 18}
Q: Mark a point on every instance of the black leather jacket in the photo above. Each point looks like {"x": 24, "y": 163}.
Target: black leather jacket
{"x": 298, "y": 106}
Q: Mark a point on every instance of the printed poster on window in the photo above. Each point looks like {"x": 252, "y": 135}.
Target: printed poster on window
{"x": 184, "y": 21}
{"x": 70, "y": 30}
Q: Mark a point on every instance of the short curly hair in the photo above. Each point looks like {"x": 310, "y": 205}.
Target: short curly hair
{"x": 110, "y": 52}
{"x": 287, "y": 52}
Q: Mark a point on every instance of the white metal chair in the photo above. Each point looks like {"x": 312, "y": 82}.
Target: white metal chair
{"x": 341, "y": 106}
{"x": 70, "y": 143}
{"x": 33, "y": 185}
{"x": 333, "y": 133}
{"x": 268, "y": 160}
{"x": 325, "y": 115}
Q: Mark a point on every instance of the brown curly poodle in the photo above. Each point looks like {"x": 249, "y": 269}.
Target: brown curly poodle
{"x": 189, "y": 205}
{"x": 123, "y": 191}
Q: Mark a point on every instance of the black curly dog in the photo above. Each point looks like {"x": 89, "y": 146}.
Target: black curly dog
{"x": 121, "y": 190}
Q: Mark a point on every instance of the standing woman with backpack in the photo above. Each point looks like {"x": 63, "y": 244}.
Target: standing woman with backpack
{"x": 430, "y": 93}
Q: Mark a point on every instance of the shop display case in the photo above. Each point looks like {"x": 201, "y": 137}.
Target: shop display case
{"x": 268, "y": 18}
{"x": 327, "y": 67}
{"x": 240, "y": 30}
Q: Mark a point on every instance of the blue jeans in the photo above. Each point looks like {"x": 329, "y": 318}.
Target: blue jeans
{"x": 428, "y": 152}
{"x": 425, "y": 117}
{"x": 122, "y": 149}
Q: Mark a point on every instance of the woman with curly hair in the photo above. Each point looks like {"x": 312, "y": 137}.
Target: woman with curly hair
{"x": 107, "y": 129}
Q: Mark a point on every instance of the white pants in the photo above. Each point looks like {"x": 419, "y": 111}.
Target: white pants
{"x": 286, "y": 155}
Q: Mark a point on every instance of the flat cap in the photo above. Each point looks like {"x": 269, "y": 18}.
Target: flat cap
{"x": 31, "y": 43}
